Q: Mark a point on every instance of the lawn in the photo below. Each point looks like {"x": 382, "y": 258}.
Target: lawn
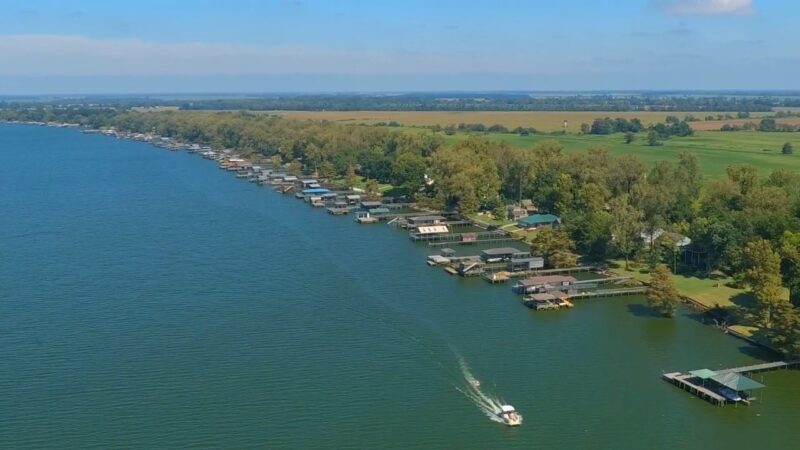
{"x": 709, "y": 292}
{"x": 715, "y": 150}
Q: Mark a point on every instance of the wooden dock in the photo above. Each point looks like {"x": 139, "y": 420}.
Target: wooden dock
{"x": 608, "y": 293}
{"x": 682, "y": 381}
{"x": 764, "y": 367}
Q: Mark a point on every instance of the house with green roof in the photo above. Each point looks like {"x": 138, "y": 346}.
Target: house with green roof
{"x": 535, "y": 221}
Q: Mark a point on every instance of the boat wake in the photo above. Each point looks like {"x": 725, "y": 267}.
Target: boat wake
{"x": 490, "y": 406}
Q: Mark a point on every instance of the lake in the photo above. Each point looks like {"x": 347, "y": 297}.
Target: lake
{"x": 150, "y": 300}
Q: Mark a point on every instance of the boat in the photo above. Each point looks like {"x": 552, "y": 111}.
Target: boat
{"x": 509, "y": 416}
{"x": 475, "y": 382}
{"x": 729, "y": 393}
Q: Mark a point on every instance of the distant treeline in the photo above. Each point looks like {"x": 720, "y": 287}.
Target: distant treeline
{"x": 767, "y": 124}
{"x": 450, "y": 102}
{"x": 490, "y": 102}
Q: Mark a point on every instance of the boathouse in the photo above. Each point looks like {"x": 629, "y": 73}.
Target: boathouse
{"x": 308, "y": 184}
{"x": 543, "y": 283}
{"x": 370, "y": 205}
{"x": 352, "y": 199}
{"x": 526, "y": 263}
{"x": 493, "y": 255}
{"x": 420, "y": 221}
{"x": 316, "y": 191}
{"x": 471, "y": 268}
{"x": 431, "y": 230}
{"x": 377, "y": 212}
{"x": 535, "y": 221}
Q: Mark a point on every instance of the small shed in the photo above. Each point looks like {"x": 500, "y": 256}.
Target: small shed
{"x": 535, "y": 221}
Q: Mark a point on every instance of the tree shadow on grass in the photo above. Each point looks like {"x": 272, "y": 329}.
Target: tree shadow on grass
{"x": 761, "y": 353}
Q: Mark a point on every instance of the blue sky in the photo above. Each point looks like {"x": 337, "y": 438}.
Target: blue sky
{"x": 307, "y": 45}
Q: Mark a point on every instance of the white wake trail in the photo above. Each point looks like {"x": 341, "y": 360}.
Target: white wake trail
{"x": 490, "y": 406}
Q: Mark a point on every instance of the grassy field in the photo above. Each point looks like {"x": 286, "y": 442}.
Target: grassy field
{"x": 714, "y": 149}
{"x": 546, "y": 121}
{"x": 714, "y": 125}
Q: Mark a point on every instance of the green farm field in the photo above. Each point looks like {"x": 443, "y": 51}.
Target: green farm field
{"x": 545, "y": 121}
{"x": 715, "y": 150}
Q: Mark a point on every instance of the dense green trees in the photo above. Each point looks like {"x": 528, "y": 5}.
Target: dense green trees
{"x": 662, "y": 295}
{"x": 556, "y": 247}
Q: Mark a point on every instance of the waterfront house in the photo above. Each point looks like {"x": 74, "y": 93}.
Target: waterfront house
{"x": 535, "y": 221}
{"x": 528, "y": 206}
{"x": 516, "y": 212}
{"x": 544, "y": 283}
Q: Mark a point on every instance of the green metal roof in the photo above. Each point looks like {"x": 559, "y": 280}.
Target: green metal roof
{"x": 703, "y": 374}
{"x": 538, "y": 219}
{"x": 737, "y": 382}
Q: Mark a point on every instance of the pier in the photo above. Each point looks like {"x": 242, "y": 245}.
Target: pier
{"x": 608, "y": 293}
{"x": 726, "y": 386}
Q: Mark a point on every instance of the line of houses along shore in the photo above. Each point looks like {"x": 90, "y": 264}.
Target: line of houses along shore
{"x": 500, "y": 259}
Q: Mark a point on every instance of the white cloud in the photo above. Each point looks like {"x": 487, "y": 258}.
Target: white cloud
{"x": 706, "y": 7}
{"x": 82, "y": 56}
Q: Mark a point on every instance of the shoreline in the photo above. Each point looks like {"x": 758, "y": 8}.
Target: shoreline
{"x": 231, "y": 161}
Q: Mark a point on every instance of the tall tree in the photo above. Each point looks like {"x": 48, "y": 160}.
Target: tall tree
{"x": 790, "y": 264}
{"x": 662, "y": 295}
{"x": 785, "y": 332}
{"x": 761, "y": 267}
{"x": 626, "y": 227}
{"x": 555, "y": 246}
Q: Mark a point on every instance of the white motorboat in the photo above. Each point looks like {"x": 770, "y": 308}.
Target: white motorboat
{"x": 509, "y": 416}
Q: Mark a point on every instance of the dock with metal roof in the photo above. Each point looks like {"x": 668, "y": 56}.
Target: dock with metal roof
{"x": 725, "y": 386}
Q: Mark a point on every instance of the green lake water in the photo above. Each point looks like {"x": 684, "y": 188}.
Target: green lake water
{"x": 150, "y": 300}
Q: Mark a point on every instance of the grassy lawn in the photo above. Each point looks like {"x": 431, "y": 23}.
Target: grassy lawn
{"x": 715, "y": 150}
{"x": 709, "y": 292}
